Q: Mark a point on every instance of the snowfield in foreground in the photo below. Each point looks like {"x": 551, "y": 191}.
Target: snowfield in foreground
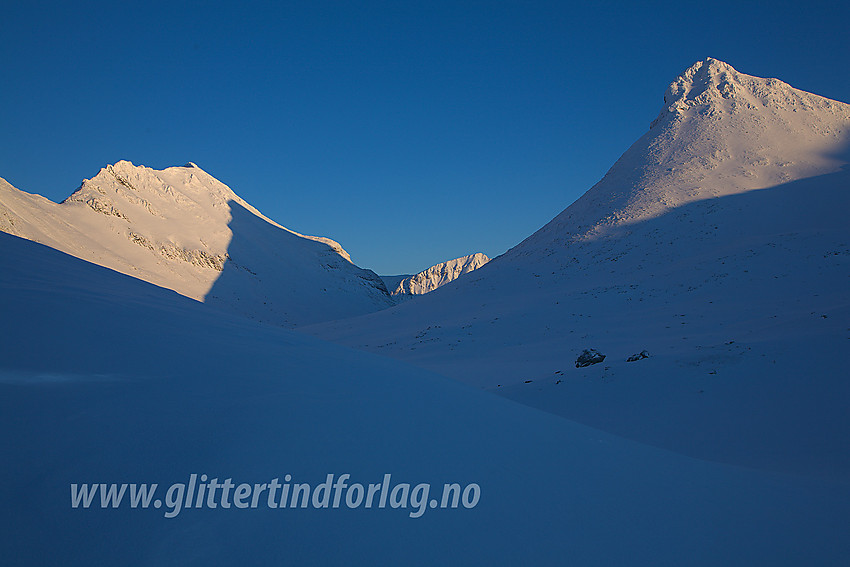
{"x": 107, "y": 379}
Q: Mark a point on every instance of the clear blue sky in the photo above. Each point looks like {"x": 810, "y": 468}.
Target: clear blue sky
{"x": 411, "y": 132}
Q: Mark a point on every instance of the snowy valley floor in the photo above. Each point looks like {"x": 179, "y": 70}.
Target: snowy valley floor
{"x": 107, "y": 379}
{"x": 740, "y": 301}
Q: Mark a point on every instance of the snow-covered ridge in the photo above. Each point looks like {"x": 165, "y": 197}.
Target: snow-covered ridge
{"x": 439, "y": 275}
{"x": 185, "y": 230}
{"x": 189, "y": 187}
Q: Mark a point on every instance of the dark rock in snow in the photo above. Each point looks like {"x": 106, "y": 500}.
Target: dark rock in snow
{"x": 639, "y": 356}
{"x": 588, "y": 357}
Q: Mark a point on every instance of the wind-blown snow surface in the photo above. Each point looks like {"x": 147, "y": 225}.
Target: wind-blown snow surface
{"x": 719, "y": 244}
{"x": 182, "y": 229}
{"x": 439, "y": 275}
{"x": 105, "y": 378}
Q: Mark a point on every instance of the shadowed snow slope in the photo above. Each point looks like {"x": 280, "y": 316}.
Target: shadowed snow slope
{"x": 439, "y": 275}
{"x": 718, "y": 243}
{"x": 182, "y": 229}
{"x": 108, "y": 379}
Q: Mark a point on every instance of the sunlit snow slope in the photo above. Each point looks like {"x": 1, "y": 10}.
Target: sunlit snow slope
{"x": 182, "y": 229}
{"x": 718, "y": 243}
{"x": 438, "y": 275}
{"x": 107, "y": 379}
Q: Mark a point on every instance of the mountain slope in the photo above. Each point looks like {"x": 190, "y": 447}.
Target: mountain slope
{"x": 721, "y": 133}
{"x": 108, "y": 379}
{"x": 718, "y": 244}
{"x": 182, "y": 229}
{"x": 439, "y": 275}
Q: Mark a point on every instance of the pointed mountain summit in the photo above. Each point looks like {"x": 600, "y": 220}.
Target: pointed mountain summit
{"x": 182, "y": 229}
{"x": 709, "y": 266}
{"x": 720, "y": 133}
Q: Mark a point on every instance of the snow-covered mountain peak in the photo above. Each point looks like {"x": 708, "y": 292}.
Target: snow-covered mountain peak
{"x": 704, "y": 81}
{"x": 187, "y": 195}
{"x": 714, "y": 87}
{"x": 183, "y": 229}
{"x": 161, "y": 192}
{"x": 721, "y": 132}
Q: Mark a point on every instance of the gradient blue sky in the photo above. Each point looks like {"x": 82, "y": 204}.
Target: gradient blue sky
{"x": 411, "y": 132}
